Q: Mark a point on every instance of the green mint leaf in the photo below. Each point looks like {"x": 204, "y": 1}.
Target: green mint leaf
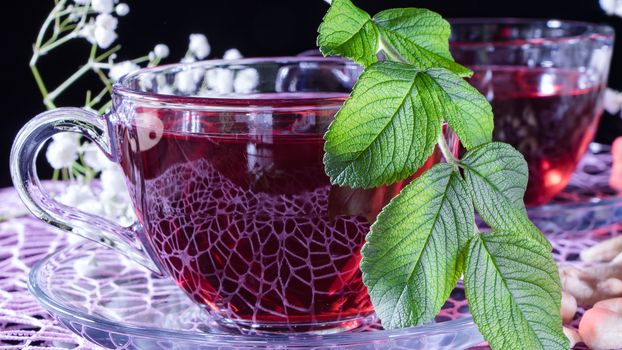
{"x": 387, "y": 128}
{"x": 496, "y": 175}
{"x": 466, "y": 110}
{"x": 390, "y": 124}
{"x": 514, "y": 292}
{"x": 420, "y": 37}
{"x": 410, "y": 35}
{"x": 348, "y": 31}
{"x": 415, "y": 251}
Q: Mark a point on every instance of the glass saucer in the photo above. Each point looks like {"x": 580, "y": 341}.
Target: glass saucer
{"x": 588, "y": 204}
{"x": 109, "y": 300}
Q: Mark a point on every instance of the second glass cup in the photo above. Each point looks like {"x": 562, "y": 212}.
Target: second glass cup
{"x": 545, "y": 80}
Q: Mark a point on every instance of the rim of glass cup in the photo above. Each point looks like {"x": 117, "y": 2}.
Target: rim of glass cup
{"x": 326, "y": 99}
{"x": 39, "y": 288}
{"x": 591, "y": 31}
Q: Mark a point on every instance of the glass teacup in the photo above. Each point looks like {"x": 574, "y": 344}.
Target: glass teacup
{"x": 223, "y": 161}
{"x": 545, "y": 80}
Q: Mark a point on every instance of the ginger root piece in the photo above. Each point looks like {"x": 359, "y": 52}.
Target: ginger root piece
{"x": 573, "y": 336}
{"x": 600, "y": 329}
{"x": 591, "y": 284}
{"x": 604, "y": 251}
{"x": 569, "y": 307}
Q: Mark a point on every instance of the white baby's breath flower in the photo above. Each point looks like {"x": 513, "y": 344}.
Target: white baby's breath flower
{"x": 188, "y": 59}
{"x": 113, "y": 181}
{"x": 104, "y": 37}
{"x": 612, "y": 7}
{"x": 145, "y": 81}
{"x": 122, "y": 9}
{"x": 246, "y": 80}
{"x": 106, "y": 21}
{"x": 104, "y": 32}
{"x": 62, "y": 152}
{"x": 76, "y": 193}
{"x": 120, "y": 69}
{"x": 94, "y": 157}
{"x": 102, "y": 6}
{"x": 220, "y": 80}
{"x": 232, "y": 54}
{"x": 613, "y": 101}
{"x": 184, "y": 81}
{"x": 128, "y": 218}
{"x": 161, "y": 51}
{"x": 166, "y": 90}
{"x": 93, "y": 206}
{"x": 199, "y": 46}
{"x": 67, "y": 136}
{"x": 88, "y": 32}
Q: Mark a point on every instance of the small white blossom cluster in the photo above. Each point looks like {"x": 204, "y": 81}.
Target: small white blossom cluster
{"x": 97, "y": 22}
{"x": 112, "y": 200}
{"x": 612, "y": 7}
{"x": 613, "y": 101}
{"x": 101, "y": 30}
{"x": 216, "y": 80}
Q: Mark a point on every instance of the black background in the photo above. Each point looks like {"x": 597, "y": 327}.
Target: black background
{"x": 256, "y": 28}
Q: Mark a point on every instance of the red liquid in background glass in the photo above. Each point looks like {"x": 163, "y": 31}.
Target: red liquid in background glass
{"x": 549, "y": 115}
{"x": 248, "y": 224}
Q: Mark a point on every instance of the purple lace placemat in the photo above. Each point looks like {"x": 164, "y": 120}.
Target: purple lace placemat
{"x": 25, "y": 240}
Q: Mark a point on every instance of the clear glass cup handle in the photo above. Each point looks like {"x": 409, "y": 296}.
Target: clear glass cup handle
{"x": 27, "y": 145}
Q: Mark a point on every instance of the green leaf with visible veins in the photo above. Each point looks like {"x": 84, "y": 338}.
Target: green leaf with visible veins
{"x": 416, "y": 36}
{"x": 349, "y": 32}
{"x": 466, "y": 110}
{"x": 390, "y": 124}
{"x": 420, "y": 37}
{"x": 386, "y": 130}
{"x": 415, "y": 251}
{"x": 496, "y": 175}
{"x": 514, "y": 292}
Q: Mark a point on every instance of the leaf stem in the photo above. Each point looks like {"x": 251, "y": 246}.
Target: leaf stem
{"x": 390, "y": 52}
{"x": 445, "y": 150}
{"x": 75, "y": 76}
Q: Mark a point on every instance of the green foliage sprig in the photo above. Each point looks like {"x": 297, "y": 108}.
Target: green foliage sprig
{"x": 426, "y": 238}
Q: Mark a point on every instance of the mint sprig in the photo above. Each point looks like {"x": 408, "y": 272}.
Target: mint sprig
{"x": 426, "y": 238}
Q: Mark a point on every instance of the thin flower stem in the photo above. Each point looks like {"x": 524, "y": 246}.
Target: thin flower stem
{"x": 77, "y": 166}
{"x": 103, "y": 109}
{"x": 97, "y": 98}
{"x": 107, "y": 54}
{"x": 62, "y": 87}
{"x": 47, "y": 48}
{"x": 141, "y": 59}
{"x": 155, "y": 62}
{"x": 55, "y": 174}
{"x": 44, "y": 92}
{"x": 104, "y": 79}
{"x": 47, "y": 22}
